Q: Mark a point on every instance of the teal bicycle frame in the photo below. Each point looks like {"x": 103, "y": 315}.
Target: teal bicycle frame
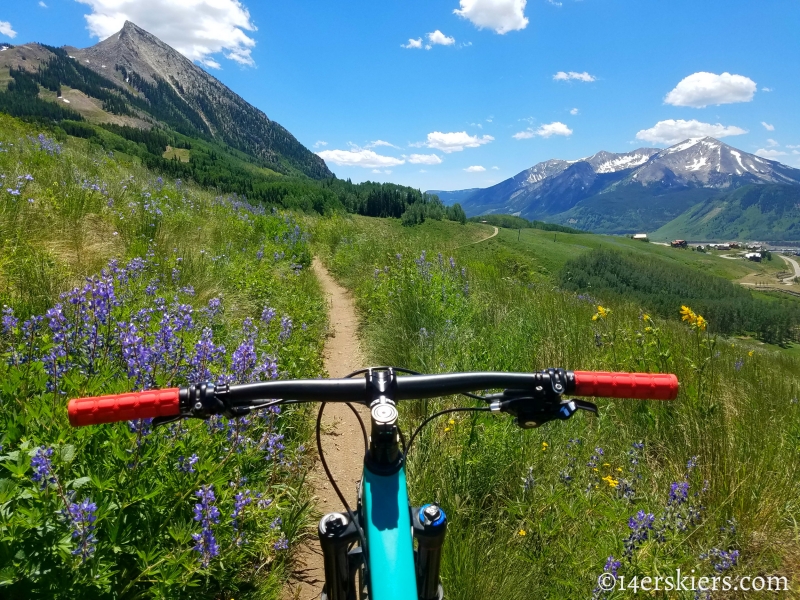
{"x": 387, "y": 528}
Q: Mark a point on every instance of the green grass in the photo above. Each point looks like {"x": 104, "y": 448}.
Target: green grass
{"x": 550, "y": 251}
{"x": 736, "y": 413}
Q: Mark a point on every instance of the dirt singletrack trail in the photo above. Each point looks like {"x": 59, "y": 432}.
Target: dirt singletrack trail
{"x": 342, "y": 440}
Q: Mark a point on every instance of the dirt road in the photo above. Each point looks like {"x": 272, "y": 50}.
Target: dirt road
{"x": 789, "y": 280}
{"x": 342, "y": 440}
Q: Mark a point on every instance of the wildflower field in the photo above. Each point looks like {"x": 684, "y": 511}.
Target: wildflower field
{"x": 710, "y": 482}
{"x": 112, "y": 279}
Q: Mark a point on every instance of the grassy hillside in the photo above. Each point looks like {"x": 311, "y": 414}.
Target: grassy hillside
{"x": 755, "y": 212}
{"x": 112, "y": 279}
{"x": 651, "y": 486}
{"x": 631, "y": 208}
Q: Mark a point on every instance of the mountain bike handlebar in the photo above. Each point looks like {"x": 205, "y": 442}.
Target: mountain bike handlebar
{"x": 206, "y": 399}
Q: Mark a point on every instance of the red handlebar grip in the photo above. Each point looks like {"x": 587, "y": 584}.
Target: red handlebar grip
{"x": 124, "y": 407}
{"x": 643, "y": 386}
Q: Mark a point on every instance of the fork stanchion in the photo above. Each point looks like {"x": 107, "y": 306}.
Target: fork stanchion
{"x": 429, "y": 525}
{"x": 336, "y": 533}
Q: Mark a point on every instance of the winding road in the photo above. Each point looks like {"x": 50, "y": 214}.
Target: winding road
{"x": 794, "y": 264}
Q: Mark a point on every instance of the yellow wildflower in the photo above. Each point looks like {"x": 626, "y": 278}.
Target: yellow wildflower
{"x": 452, "y": 422}
{"x": 611, "y": 481}
{"x": 645, "y": 317}
{"x": 750, "y": 353}
{"x": 619, "y": 469}
{"x": 606, "y": 465}
{"x": 603, "y": 312}
{"x": 701, "y": 323}
{"x": 648, "y": 329}
{"x": 595, "y": 469}
{"x": 544, "y": 446}
{"x": 522, "y": 532}
{"x": 687, "y": 314}
{"x": 594, "y": 317}
{"x": 446, "y": 429}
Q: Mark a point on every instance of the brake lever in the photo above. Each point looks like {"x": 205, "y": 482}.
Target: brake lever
{"x": 530, "y": 414}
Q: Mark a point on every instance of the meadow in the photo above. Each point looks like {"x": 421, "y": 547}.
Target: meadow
{"x": 113, "y": 279}
{"x": 709, "y": 482}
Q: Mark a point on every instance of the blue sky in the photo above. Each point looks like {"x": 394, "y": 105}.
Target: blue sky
{"x": 505, "y": 83}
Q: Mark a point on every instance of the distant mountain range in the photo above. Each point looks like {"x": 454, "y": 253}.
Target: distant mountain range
{"x": 132, "y": 78}
{"x": 641, "y": 190}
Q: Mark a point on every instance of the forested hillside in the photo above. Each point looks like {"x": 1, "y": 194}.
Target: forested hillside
{"x": 663, "y": 287}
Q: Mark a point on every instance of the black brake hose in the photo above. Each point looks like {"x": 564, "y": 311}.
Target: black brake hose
{"x": 439, "y": 414}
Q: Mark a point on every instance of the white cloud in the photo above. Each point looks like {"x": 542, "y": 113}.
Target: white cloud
{"x": 673, "y": 131}
{"x": 767, "y": 126}
{"x": 197, "y": 29}
{"x": 376, "y": 170}
{"x": 7, "y": 30}
{"x": 455, "y": 141}
{"x": 555, "y": 3}
{"x": 437, "y": 38}
{"x": 422, "y": 171}
{"x": 358, "y": 157}
{"x": 475, "y": 169}
{"x": 790, "y": 146}
{"x": 42, "y": 4}
{"x": 772, "y": 142}
{"x": 572, "y": 75}
{"x": 380, "y": 143}
{"x": 320, "y": 144}
{"x": 701, "y": 89}
{"x": 766, "y": 89}
{"x": 500, "y": 15}
{"x": 574, "y": 111}
{"x": 495, "y": 168}
{"x": 425, "y": 159}
{"x": 545, "y": 131}
{"x": 387, "y": 171}
{"x": 413, "y": 43}
{"x": 769, "y": 153}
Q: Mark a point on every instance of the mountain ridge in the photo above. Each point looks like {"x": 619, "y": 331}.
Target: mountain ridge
{"x": 149, "y": 81}
{"x": 624, "y": 192}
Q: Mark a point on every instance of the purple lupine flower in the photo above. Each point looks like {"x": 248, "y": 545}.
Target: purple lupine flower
{"x": 276, "y": 523}
{"x": 240, "y": 501}
{"x": 286, "y": 328}
{"x": 691, "y": 464}
{"x": 267, "y": 368}
{"x": 187, "y": 464}
{"x": 260, "y": 254}
{"x": 9, "y": 322}
{"x": 188, "y": 290}
{"x": 678, "y": 492}
{"x": 722, "y": 560}
{"x": 267, "y": 315}
{"x": 738, "y": 364}
{"x": 205, "y": 354}
{"x": 243, "y": 361}
{"x": 452, "y": 263}
{"x": 142, "y": 428}
{"x": 272, "y": 444}
{"x": 207, "y": 515}
{"x": 82, "y": 515}
{"x": 640, "y": 525}
{"x": 612, "y": 566}
{"x": 214, "y": 307}
{"x": 281, "y": 544}
{"x": 42, "y": 467}
{"x": 263, "y": 503}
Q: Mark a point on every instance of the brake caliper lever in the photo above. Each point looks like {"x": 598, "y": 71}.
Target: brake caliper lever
{"x": 531, "y": 412}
